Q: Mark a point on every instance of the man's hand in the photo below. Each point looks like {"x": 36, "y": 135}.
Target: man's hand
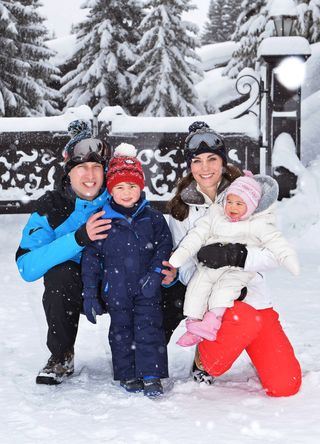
{"x": 170, "y": 273}
{"x": 95, "y": 226}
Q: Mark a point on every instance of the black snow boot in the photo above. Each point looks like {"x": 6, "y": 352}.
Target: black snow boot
{"x": 132, "y": 385}
{"x": 201, "y": 375}
{"x": 56, "y": 369}
{"x": 152, "y": 387}
{"x": 198, "y": 372}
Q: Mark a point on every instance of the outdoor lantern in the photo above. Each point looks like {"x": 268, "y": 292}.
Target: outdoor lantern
{"x": 284, "y": 14}
{"x": 284, "y": 24}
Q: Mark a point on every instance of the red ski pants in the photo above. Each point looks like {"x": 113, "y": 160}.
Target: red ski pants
{"x": 260, "y": 334}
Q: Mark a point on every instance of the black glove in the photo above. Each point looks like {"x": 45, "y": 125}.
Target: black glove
{"x": 221, "y": 255}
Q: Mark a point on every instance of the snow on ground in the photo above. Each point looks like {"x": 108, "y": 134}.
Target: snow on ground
{"x": 90, "y": 407}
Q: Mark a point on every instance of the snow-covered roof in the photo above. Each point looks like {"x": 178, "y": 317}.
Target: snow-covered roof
{"x": 216, "y": 89}
{"x": 281, "y": 46}
{"x": 226, "y": 122}
{"x": 55, "y": 123}
{"x": 216, "y": 54}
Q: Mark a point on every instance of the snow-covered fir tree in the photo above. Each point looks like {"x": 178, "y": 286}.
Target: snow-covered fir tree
{"x": 309, "y": 20}
{"x": 253, "y": 25}
{"x": 105, "y": 49}
{"x": 8, "y": 65}
{"x": 221, "y": 23}
{"x": 25, "y": 70}
{"x": 167, "y": 65}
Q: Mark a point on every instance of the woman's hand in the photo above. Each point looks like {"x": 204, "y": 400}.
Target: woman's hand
{"x": 169, "y": 272}
{"x": 222, "y": 255}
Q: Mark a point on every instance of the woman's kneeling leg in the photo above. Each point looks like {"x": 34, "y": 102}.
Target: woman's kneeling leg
{"x": 241, "y": 324}
{"x": 273, "y": 357}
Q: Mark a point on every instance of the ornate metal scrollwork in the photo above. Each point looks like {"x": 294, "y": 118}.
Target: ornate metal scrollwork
{"x": 162, "y": 169}
{"x": 26, "y": 173}
{"x": 244, "y": 86}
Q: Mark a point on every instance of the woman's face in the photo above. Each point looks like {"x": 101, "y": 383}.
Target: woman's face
{"x": 206, "y": 169}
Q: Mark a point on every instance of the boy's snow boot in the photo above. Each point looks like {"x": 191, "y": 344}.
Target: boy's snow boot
{"x": 56, "y": 369}
{"x": 188, "y": 339}
{"x": 132, "y": 385}
{"x": 207, "y": 328}
{"x": 152, "y": 387}
{"x": 198, "y": 372}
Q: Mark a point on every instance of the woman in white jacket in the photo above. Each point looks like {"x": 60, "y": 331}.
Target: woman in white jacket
{"x": 251, "y": 325}
{"x": 244, "y": 214}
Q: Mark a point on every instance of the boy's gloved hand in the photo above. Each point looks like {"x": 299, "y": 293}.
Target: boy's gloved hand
{"x": 150, "y": 283}
{"x": 92, "y": 307}
{"x": 221, "y": 255}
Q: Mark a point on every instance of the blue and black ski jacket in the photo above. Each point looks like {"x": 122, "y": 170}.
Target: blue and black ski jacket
{"x": 55, "y": 233}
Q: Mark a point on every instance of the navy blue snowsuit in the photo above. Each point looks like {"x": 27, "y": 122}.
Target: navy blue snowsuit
{"x": 129, "y": 262}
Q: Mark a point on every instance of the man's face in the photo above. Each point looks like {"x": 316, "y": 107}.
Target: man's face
{"x": 87, "y": 179}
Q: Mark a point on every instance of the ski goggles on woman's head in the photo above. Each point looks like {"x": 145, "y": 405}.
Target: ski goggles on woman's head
{"x": 204, "y": 140}
{"x": 205, "y": 136}
{"x": 86, "y": 150}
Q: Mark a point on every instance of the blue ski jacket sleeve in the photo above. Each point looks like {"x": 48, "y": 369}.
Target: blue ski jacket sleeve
{"x": 49, "y": 237}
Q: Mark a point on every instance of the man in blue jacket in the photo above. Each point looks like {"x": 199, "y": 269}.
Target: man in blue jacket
{"x": 66, "y": 220}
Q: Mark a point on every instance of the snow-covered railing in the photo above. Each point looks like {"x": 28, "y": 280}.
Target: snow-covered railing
{"x": 31, "y": 150}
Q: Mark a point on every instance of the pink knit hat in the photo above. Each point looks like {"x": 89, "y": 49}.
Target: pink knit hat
{"x": 249, "y": 190}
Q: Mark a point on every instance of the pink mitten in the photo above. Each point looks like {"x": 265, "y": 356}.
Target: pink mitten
{"x": 188, "y": 339}
{"x": 207, "y": 328}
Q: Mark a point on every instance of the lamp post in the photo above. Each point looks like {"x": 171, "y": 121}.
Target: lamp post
{"x": 282, "y": 72}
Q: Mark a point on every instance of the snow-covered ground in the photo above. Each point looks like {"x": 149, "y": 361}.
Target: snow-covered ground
{"x": 90, "y": 407}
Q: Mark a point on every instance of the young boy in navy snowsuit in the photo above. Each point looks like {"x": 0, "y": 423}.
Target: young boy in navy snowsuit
{"x": 127, "y": 268}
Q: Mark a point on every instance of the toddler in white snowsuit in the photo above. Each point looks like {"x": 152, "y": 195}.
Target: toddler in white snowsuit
{"x": 243, "y": 216}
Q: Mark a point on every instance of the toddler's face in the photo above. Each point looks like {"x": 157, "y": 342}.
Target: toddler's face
{"x": 126, "y": 194}
{"x": 235, "y": 207}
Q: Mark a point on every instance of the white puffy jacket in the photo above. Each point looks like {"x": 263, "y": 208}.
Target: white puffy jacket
{"x": 258, "y": 259}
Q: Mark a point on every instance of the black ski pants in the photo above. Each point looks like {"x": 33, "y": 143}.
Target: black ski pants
{"x": 172, "y": 305}
{"x": 62, "y": 302}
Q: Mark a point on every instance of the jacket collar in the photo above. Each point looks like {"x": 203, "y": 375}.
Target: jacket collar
{"x": 193, "y": 196}
{"x": 96, "y": 203}
{"x": 110, "y": 213}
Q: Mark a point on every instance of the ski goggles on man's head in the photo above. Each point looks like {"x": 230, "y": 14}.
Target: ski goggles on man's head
{"x": 86, "y": 150}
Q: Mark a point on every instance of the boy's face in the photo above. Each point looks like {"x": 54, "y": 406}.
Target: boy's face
{"x": 126, "y": 194}
{"x": 87, "y": 179}
{"x": 235, "y": 207}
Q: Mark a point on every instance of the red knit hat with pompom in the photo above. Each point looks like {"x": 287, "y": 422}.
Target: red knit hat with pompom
{"x": 124, "y": 167}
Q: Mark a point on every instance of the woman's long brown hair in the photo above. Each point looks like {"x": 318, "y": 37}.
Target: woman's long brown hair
{"x": 179, "y": 209}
